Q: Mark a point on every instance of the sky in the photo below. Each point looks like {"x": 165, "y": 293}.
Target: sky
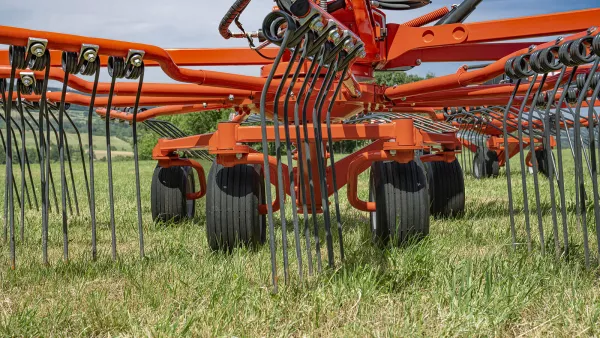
{"x": 193, "y": 23}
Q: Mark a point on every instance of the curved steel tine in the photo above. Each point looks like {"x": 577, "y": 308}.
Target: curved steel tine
{"x": 300, "y": 162}
{"x": 92, "y": 192}
{"x": 81, "y": 153}
{"x": 311, "y": 185}
{"x": 279, "y": 167}
{"x": 582, "y": 212}
{"x": 137, "y": 164}
{"x": 511, "y": 210}
{"x": 56, "y": 131}
{"x": 317, "y": 109}
{"x": 523, "y": 167}
{"x": 534, "y": 164}
{"x": 592, "y": 118}
{"x": 265, "y": 147}
{"x": 290, "y": 164}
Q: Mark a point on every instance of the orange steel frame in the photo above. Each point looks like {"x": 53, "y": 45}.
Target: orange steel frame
{"x": 405, "y": 45}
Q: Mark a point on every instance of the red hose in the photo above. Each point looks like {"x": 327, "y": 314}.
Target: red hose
{"x": 427, "y": 18}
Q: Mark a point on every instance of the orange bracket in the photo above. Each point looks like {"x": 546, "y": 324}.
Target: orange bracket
{"x": 180, "y": 162}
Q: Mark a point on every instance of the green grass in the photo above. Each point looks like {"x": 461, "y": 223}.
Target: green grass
{"x": 463, "y": 280}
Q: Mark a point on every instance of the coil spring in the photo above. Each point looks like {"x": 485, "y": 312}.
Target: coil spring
{"x": 39, "y": 63}
{"x": 579, "y": 50}
{"x": 564, "y": 56}
{"x": 596, "y": 45}
{"x": 116, "y": 67}
{"x": 23, "y": 88}
{"x": 273, "y": 22}
{"x": 38, "y": 88}
{"x": 69, "y": 62}
{"x": 89, "y": 68}
{"x": 582, "y": 78}
{"x": 572, "y": 95}
{"x": 545, "y": 60}
{"x": 133, "y": 72}
{"x": 16, "y": 56}
{"x": 508, "y": 68}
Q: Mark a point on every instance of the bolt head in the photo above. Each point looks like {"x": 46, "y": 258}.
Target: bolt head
{"x": 362, "y": 54}
{"x": 317, "y": 25}
{"x": 238, "y": 156}
{"x": 89, "y": 55}
{"x": 418, "y": 62}
{"x": 37, "y": 49}
{"x": 231, "y": 97}
{"x": 334, "y": 36}
{"x": 27, "y": 81}
{"x": 136, "y": 60}
{"x": 393, "y": 152}
{"x": 204, "y": 104}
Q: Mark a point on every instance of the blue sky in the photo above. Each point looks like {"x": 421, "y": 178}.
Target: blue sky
{"x": 193, "y": 23}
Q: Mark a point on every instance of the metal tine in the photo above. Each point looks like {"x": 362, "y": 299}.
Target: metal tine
{"x": 20, "y": 158}
{"x": 578, "y": 162}
{"x": 81, "y": 153}
{"x": 89, "y": 64}
{"x": 69, "y": 63}
{"x": 38, "y": 63}
{"x": 287, "y": 36}
{"x": 179, "y": 133}
{"x": 17, "y": 60}
{"x": 332, "y": 156}
{"x": 300, "y": 162}
{"x": 20, "y": 86}
{"x": 290, "y": 165}
{"x": 592, "y": 147}
{"x": 155, "y": 127}
{"x": 536, "y": 186}
{"x": 551, "y": 171}
{"x": 317, "y": 109}
{"x": 40, "y": 147}
{"x": 116, "y": 69}
{"x": 279, "y": 167}
{"x": 523, "y": 167}
{"x": 65, "y": 187}
{"x": 135, "y": 69}
{"x": 511, "y": 210}
{"x": 311, "y": 186}
{"x": 69, "y": 161}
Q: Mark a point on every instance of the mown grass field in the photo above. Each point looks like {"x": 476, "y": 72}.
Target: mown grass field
{"x": 462, "y": 280}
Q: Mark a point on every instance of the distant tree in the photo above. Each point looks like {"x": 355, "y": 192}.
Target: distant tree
{"x": 392, "y": 78}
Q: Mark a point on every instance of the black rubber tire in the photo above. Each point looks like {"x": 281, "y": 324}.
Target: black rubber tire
{"x": 232, "y": 199}
{"x": 168, "y": 194}
{"x": 446, "y": 189}
{"x": 542, "y": 158}
{"x": 485, "y": 164}
{"x": 402, "y": 201}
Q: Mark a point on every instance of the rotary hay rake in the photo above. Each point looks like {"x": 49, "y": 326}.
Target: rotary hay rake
{"x": 316, "y": 88}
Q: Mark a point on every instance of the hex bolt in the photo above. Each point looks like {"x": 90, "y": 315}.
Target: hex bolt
{"x": 418, "y": 62}
{"x": 136, "y": 60}
{"x": 238, "y": 156}
{"x": 393, "y": 152}
{"x": 317, "y": 25}
{"x": 89, "y": 55}
{"x": 37, "y": 49}
{"x": 27, "y": 81}
{"x": 204, "y": 104}
{"x": 231, "y": 97}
